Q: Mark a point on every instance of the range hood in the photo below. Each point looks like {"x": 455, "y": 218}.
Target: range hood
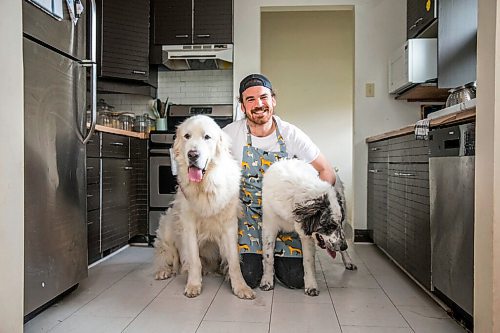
{"x": 197, "y": 57}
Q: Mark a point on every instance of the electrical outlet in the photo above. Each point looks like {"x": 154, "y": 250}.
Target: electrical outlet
{"x": 370, "y": 90}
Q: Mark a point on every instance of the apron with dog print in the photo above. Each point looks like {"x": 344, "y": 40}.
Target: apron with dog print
{"x": 254, "y": 164}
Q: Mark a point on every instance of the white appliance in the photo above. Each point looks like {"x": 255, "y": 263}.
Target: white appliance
{"x": 414, "y": 62}
{"x": 198, "y": 57}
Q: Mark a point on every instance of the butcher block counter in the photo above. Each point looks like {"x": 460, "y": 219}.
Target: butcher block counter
{"x": 112, "y": 130}
{"x": 449, "y": 119}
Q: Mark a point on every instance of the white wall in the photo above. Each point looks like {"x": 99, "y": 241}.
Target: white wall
{"x": 317, "y": 96}
{"x": 11, "y": 168}
{"x": 380, "y": 27}
{"x": 487, "y": 180}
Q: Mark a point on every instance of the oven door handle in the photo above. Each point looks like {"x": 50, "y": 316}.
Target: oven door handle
{"x": 165, "y": 152}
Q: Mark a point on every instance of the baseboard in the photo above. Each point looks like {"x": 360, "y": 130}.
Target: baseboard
{"x": 363, "y": 236}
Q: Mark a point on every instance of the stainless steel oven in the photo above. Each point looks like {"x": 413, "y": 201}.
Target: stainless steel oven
{"x": 162, "y": 183}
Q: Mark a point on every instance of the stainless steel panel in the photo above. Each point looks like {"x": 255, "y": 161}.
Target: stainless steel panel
{"x": 55, "y": 198}
{"x": 209, "y": 110}
{"x": 452, "y": 227}
{"x": 160, "y": 171}
{"x": 62, "y": 35}
{"x": 154, "y": 219}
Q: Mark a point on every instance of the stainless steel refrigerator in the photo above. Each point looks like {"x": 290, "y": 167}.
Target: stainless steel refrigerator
{"x": 59, "y": 85}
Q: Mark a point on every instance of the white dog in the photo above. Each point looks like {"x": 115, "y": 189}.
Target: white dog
{"x": 202, "y": 225}
{"x": 294, "y": 198}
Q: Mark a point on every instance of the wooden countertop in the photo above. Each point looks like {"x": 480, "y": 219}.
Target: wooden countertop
{"x": 449, "y": 119}
{"x": 106, "y": 129}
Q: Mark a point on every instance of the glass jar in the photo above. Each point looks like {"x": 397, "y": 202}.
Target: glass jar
{"x": 140, "y": 124}
{"x": 125, "y": 122}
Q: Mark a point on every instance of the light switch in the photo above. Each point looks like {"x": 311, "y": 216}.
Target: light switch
{"x": 370, "y": 90}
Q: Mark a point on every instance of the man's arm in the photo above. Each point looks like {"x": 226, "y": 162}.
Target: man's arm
{"x": 324, "y": 169}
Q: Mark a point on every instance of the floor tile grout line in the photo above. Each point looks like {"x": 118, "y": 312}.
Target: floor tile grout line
{"x": 211, "y": 302}
{"x": 93, "y": 298}
{"x": 331, "y": 297}
{"x": 385, "y": 293}
{"x": 149, "y": 303}
{"x": 271, "y": 312}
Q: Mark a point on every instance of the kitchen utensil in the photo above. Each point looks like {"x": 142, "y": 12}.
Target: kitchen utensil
{"x": 460, "y": 95}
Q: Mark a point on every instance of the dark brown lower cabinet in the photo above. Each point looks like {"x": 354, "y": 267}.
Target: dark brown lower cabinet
{"x": 116, "y": 193}
{"x": 398, "y": 203}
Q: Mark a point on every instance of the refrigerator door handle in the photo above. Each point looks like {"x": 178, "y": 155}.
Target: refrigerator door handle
{"x": 92, "y": 63}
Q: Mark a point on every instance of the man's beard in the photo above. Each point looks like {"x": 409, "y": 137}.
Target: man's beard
{"x": 257, "y": 119}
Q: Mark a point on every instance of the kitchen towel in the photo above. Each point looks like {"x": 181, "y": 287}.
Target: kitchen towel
{"x": 422, "y": 129}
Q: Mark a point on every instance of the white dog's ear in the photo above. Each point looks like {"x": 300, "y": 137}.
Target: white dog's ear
{"x": 223, "y": 143}
{"x": 309, "y": 213}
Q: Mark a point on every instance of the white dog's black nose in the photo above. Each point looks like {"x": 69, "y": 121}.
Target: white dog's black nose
{"x": 193, "y": 155}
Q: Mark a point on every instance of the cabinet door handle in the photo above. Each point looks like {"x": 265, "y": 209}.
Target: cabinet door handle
{"x": 419, "y": 20}
{"x": 203, "y": 36}
{"x": 402, "y": 174}
{"x": 412, "y": 27}
{"x": 117, "y": 143}
{"x": 375, "y": 149}
{"x": 139, "y": 72}
{"x": 128, "y": 168}
{"x": 181, "y": 36}
{"x": 373, "y": 170}
{"x": 407, "y": 174}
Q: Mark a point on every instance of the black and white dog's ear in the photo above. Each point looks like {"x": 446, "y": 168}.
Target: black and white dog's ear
{"x": 309, "y": 213}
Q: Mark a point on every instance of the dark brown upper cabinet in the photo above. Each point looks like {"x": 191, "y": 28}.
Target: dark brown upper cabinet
{"x": 420, "y": 15}
{"x": 178, "y": 22}
{"x": 124, "y": 39}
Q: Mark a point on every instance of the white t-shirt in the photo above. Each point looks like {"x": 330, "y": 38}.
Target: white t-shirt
{"x": 298, "y": 144}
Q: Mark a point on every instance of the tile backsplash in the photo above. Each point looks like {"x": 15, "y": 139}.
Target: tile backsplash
{"x": 196, "y": 87}
{"x": 182, "y": 87}
{"x": 137, "y": 104}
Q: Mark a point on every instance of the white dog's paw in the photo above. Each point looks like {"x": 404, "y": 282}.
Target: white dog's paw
{"x": 311, "y": 291}
{"x": 244, "y": 292}
{"x": 192, "y": 290}
{"x": 164, "y": 274}
{"x": 266, "y": 284}
{"x": 351, "y": 267}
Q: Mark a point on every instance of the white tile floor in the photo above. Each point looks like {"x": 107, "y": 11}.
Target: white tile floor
{"x": 120, "y": 295}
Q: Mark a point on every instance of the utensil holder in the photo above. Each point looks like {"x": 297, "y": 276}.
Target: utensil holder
{"x": 161, "y": 124}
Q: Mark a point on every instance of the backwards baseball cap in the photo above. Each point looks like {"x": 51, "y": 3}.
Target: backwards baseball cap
{"x": 254, "y": 80}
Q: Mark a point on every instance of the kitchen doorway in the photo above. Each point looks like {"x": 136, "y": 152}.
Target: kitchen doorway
{"x": 309, "y": 58}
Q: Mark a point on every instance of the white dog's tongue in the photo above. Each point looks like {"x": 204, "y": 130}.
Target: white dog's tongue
{"x": 195, "y": 174}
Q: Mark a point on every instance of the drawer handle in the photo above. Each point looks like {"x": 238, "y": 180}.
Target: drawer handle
{"x": 181, "y": 36}
{"x": 373, "y": 170}
{"x": 203, "y": 36}
{"x": 375, "y": 149}
{"x": 90, "y": 195}
{"x": 402, "y": 174}
{"x": 419, "y": 20}
{"x": 128, "y": 168}
{"x": 412, "y": 27}
{"x": 117, "y": 143}
{"x": 90, "y": 168}
{"x": 139, "y": 72}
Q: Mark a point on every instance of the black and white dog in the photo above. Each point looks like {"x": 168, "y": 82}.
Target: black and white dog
{"x": 294, "y": 198}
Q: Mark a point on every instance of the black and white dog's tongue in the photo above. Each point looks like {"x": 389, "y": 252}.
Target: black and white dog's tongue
{"x": 321, "y": 244}
{"x": 332, "y": 253}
